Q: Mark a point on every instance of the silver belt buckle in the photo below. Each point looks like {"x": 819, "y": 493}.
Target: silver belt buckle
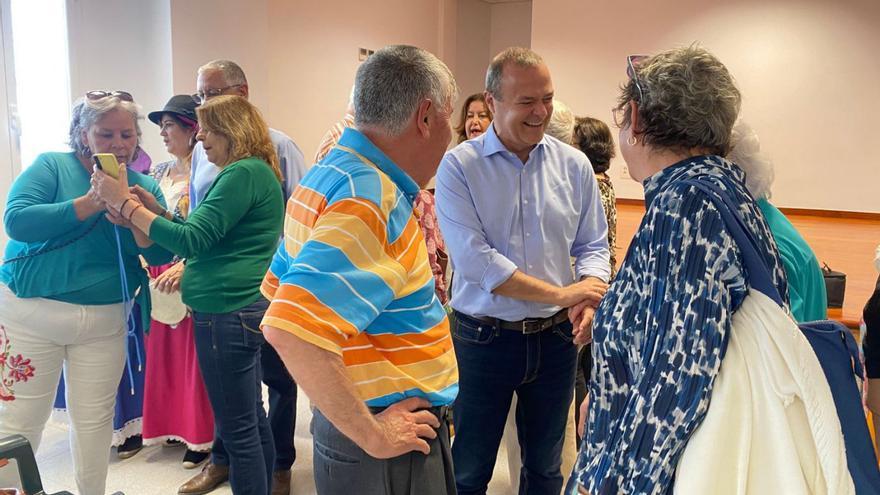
{"x": 537, "y": 325}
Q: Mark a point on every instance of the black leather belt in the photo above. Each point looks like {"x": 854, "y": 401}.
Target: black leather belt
{"x": 527, "y": 326}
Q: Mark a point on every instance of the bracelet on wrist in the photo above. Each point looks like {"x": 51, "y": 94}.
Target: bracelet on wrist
{"x": 122, "y": 206}
{"x": 136, "y": 206}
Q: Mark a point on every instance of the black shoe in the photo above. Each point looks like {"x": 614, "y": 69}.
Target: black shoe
{"x": 192, "y": 458}
{"x": 132, "y": 446}
{"x": 172, "y": 443}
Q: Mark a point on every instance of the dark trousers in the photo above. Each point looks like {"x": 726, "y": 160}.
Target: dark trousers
{"x": 282, "y": 411}
{"x": 228, "y": 348}
{"x": 582, "y": 383}
{"x": 493, "y": 364}
{"x": 871, "y": 339}
{"x": 340, "y": 466}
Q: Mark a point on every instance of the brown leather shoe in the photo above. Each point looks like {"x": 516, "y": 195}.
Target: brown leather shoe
{"x": 210, "y": 478}
{"x": 281, "y": 483}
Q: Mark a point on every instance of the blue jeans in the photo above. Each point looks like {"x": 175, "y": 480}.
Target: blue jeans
{"x": 282, "y": 411}
{"x": 228, "y": 347}
{"x": 493, "y": 364}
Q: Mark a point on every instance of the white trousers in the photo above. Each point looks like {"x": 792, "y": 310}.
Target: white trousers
{"x": 89, "y": 341}
{"x": 510, "y": 442}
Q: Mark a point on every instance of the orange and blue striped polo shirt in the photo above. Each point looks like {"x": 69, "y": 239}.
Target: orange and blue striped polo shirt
{"x": 352, "y": 277}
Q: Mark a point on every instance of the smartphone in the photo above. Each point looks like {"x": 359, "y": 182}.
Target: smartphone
{"x": 108, "y": 163}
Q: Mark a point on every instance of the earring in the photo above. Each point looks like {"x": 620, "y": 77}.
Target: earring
{"x": 632, "y": 141}
{"x": 86, "y": 150}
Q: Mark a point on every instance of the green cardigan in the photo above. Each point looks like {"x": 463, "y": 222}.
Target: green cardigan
{"x": 229, "y": 239}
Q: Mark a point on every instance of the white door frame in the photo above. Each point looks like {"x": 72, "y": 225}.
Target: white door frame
{"x": 10, "y": 154}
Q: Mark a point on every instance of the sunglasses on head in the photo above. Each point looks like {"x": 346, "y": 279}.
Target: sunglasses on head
{"x": 632, "y": 62}
{"x": 122, "y": 95}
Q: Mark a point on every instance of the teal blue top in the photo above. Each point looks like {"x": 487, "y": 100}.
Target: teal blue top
{"x": 806, "y": 285}
{"x": 40, "y": 215}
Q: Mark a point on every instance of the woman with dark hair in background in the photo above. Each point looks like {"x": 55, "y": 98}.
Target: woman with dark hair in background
{"x": 176, "y": 405}
{"x": 593, "y": 137}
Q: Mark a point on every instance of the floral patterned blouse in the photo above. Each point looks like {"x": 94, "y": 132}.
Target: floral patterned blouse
{"x": 425, "y": 210}
{"x": 662, "y": 329}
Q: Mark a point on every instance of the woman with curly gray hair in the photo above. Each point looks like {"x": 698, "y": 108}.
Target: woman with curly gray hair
{"x": 662, "y": 327}
{"x": 67, "y": 283}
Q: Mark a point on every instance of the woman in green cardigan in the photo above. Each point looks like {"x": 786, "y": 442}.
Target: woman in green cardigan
{"x": 66, "y": 274}
{"x": 228, "y": 242}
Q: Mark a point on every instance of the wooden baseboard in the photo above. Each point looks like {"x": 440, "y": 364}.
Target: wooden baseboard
{"x": 855, "y": 215}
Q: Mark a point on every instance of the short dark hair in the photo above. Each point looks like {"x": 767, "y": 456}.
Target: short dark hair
{"x": 593, "y": 137}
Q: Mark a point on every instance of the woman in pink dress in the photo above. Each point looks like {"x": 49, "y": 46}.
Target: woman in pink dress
{"x": 176, "y": 406}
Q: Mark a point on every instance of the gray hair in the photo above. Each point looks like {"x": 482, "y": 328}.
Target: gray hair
{"x": 745, "y": 151}
{"x": 688, "y": 99}
{"x": 392, "y": 82}
{"x": 86, "y": 112}
{"x": 232, "y": 72}
{"x": 516, "y": 55}
{"x": 561, "y": 125}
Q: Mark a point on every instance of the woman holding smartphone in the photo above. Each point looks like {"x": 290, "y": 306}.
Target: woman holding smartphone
{"x": 66, "y": 284}
{"x": 228, "y": 242}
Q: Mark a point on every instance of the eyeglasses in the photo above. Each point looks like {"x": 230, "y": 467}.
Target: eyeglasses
{"x": 631, "y": 62}
{"x": 202, "y": 97}
{"x": 122, "y": 95}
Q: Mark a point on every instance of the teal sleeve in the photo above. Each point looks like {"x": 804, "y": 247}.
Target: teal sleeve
{"x": 31, "y": 215}
{"x": 228, "y": 200}
{"x": 157, "y": 255}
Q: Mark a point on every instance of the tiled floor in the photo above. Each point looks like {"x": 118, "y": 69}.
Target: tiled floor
{"x": 157, "y": 470}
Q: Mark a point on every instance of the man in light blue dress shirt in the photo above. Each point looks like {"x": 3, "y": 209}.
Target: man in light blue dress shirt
{"x": 224, "y": 77}
{"x": 515, "y": 206}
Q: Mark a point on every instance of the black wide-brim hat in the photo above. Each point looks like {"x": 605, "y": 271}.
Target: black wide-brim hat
{"x": 181, "y": 105}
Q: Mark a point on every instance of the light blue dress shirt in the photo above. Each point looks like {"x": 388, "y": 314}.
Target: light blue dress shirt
{"x": 203, "y": 172}
{"x": 498, "y": 215}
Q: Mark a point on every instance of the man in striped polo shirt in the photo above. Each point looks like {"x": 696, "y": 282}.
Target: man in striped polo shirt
{"x": 354, "y": 315}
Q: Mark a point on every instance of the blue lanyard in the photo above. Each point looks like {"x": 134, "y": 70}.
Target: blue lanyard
{"x": 128, "y": 306}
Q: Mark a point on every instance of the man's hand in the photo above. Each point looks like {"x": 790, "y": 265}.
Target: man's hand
{"x": 169, "y": 280}
{"x": 402, "y": 428}
{"x": 581, "y": 317}
{"x": 590, "y": 289}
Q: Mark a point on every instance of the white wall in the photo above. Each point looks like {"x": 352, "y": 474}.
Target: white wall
{"x": 483, "y": 31}
{"x": 202, "y": 30}
{"x": 314, "y": 55}
{"x": 123, "y": 45}
{"x": 510, "y": 25}
{"x": 8, "y": 148}
{"x": 300, "y": 56}
{"x": 472, "y": 46}
{"x": 807, "y": 71}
